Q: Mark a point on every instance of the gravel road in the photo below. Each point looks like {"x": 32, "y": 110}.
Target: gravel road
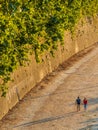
{"x": 51, "y": 104}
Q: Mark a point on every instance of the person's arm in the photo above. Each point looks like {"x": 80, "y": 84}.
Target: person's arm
{"x": 87, "y": 102}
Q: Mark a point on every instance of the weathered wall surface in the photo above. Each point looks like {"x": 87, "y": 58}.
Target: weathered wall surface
{"x": 26, "y": 78}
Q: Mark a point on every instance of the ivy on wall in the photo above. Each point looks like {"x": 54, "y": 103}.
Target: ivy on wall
{"x": 36, "y": 26}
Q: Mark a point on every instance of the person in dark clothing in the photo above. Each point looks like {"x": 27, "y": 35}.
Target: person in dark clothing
{"x": 85, "y": 103}
{"x": 78, "y": 103}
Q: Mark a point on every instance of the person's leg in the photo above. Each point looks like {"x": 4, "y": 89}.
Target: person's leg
{"x": 78, "y": 107}
{"x": 85, "y": 106}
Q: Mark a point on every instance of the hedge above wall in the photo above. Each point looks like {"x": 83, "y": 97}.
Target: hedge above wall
{"x": 36, "y": 26}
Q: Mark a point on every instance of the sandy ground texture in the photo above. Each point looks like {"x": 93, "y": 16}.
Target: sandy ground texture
{"x": 51, "y": 104}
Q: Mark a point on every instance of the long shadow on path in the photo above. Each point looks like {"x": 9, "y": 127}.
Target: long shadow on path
{"x": 93, "y": 101}
{"x": 90, "y": 127}
{"x": 46, "y": 120}
{"x": 91, "y": 124}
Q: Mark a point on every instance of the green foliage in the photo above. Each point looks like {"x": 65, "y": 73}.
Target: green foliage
{"x": 36, "y": 26}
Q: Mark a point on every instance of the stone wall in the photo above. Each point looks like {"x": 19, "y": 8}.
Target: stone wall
{"x": 25, "y": 78}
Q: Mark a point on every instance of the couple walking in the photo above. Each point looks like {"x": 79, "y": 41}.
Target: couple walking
{"x": 78, "y": 103}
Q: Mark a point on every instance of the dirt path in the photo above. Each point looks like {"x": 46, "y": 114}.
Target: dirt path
{"x": 51, "y": 105}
